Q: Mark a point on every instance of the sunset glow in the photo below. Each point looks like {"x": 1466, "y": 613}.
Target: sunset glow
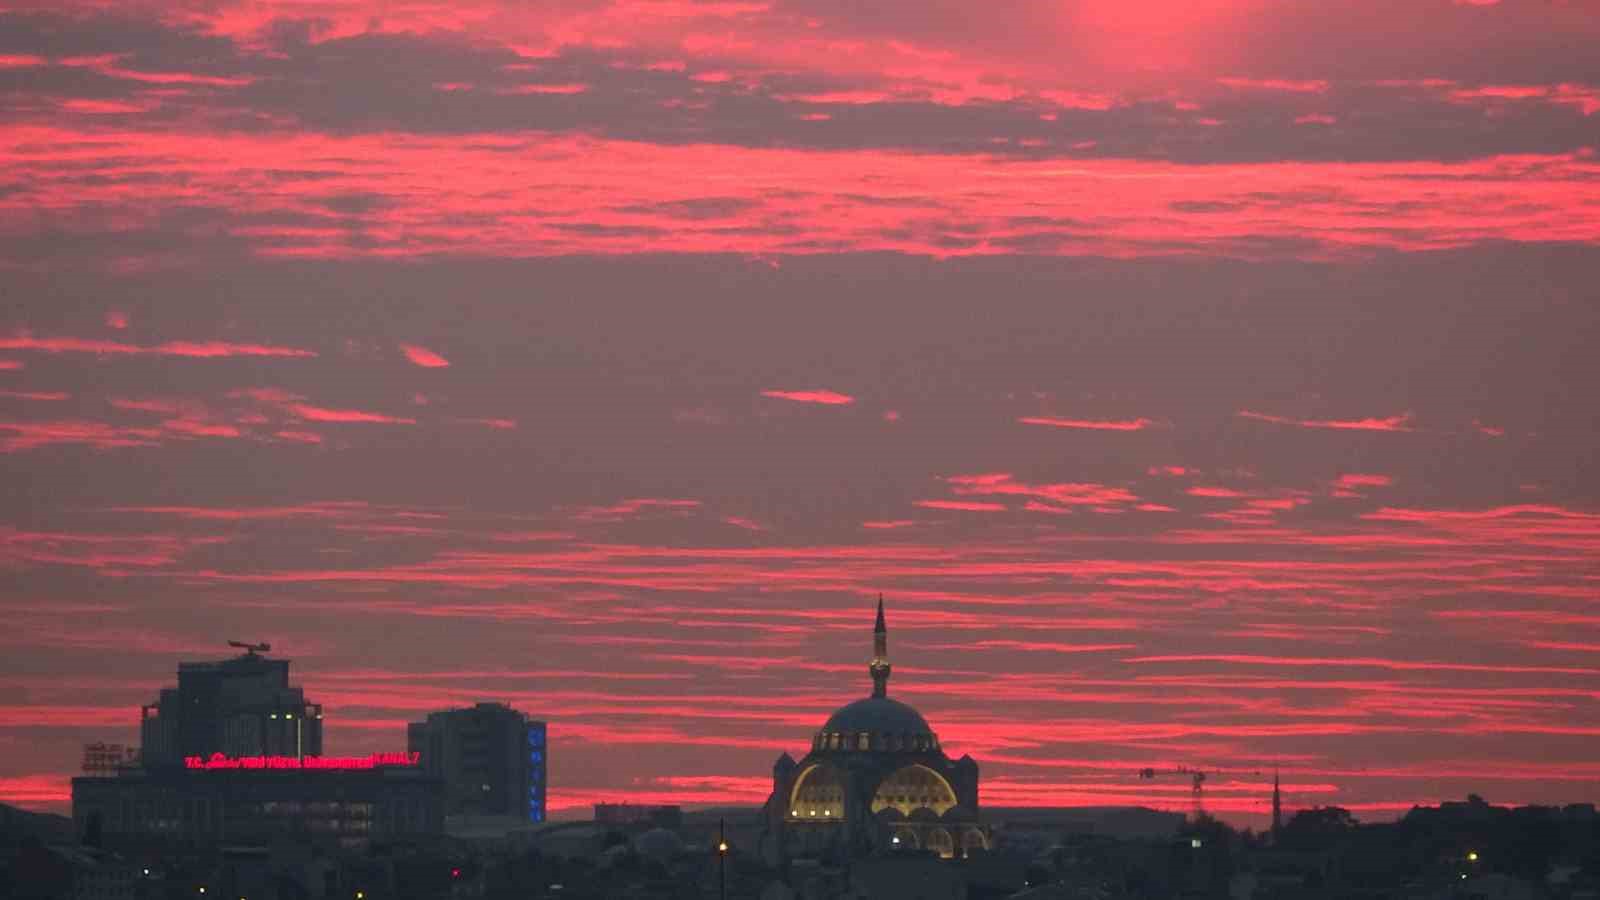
{"x": 1202, "y": 383}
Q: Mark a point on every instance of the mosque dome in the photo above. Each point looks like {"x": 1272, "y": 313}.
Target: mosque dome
{"x": 877, "y": 723}
{"x": 877, "y": 714}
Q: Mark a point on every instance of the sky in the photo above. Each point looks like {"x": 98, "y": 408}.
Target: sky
{"x": 1204, "y": 384}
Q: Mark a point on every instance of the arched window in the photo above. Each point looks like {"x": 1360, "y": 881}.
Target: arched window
{"x": 863, "y": 741}
{"x": 818, "y": 794}
{"x": 914, "y": 787}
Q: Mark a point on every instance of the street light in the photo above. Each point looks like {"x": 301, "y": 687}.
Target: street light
{"x": 722, "y": 860}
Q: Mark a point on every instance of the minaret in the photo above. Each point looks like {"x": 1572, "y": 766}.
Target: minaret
{"x": 880, "y": 655}
{"x": 1277, "y": 808}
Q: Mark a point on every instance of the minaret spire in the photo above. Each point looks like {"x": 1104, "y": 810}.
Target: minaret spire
{"x": 879, "y": 666}
{"x": 1277, "y": 806}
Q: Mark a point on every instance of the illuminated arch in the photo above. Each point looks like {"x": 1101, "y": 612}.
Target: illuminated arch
{"x": 939, "y": 841}
{"x": 973, "y": 839}
{"x": 818, "y": 794}
{"x": 912, "y": 788}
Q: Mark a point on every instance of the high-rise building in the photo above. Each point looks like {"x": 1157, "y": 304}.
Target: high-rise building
{"x": 491, "y": 757}
{"x": 234, "y": 754}
{"x": 242, "y": 706}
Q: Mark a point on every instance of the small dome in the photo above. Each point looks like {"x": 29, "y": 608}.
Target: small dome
{"x": 877, "y": 714}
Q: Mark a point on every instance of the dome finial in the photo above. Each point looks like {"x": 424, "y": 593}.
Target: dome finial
{"x": 879, "y": 667}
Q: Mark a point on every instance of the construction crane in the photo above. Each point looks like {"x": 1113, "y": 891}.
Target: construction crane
{"x": 1197, "y": 780}
{"x": 251, "y": 649}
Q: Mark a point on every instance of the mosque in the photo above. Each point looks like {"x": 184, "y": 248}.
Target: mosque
{"x": 876, "y": 780}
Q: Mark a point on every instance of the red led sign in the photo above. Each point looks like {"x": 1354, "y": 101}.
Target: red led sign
{"x": 218, "y": 761}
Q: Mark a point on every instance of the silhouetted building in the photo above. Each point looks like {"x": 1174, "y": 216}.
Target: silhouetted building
{"x": 234, "y": 753}
{"x": 491, "y": 757}
{"x": 875, "y": 779}
{"x": 346, "y": 806}
{"x": 628, "y": 814}
{"x": 242, "y": 706}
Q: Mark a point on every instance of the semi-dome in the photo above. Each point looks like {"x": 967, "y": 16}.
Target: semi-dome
{"x": 878, "y": 715}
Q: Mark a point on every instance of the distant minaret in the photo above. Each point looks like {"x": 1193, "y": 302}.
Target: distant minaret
{"x": 880, "y": 655}
{"x": 1277, "y": 807}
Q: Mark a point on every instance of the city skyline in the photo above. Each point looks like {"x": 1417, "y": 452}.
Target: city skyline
{"x": 1204, "y": 385}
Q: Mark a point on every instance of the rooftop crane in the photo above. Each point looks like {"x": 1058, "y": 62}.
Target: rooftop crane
{"x": 251, "y": 649}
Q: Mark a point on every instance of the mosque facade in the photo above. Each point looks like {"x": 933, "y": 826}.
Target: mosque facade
{"x": 876, "y": 780}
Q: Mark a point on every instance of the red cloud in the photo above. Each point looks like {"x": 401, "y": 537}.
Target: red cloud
{"x": 1090, "y": 424}
{"x": 1401, "y": 422}
{"x": 190, "y": 349}
{"x": 298, "y": 437}
{"x": 828, "y": 398}
{"x": 30, "y": 435}
{"x": 324, "y": 414}
{"x": 1356, "y": 480}
{"x": 424, "y": 357}
{"x": 35, "y": 395}
{"x": 36, "y": 791}
{"x": 968, "y": 506}
{"x": 1358, "y": 662}
{"x": 1102, "y": 497}
{"x": 116, "y": 319}
{"x": 332, "y": 509}
{"x": 295, "y": 405}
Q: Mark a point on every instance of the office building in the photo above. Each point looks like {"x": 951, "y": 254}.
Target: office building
{"x": 491, "y": 757}
{"x": 234, "y": 754}
{"x": 339, "y": 802}
{"x": 241, "y": 707}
